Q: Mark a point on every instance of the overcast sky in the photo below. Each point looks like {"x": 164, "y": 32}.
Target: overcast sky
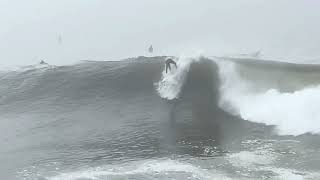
{"x": 112, "y": 30}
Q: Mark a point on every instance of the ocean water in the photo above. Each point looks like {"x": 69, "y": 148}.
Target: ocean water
{"x": 212, "y": 118}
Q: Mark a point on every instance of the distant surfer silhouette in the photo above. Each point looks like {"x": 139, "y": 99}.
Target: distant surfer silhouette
{"x": 43, "y": 62}
{"x": 168, "y": 62}
{"x": 150, "y": 49}
{"x": 60, "y": 39}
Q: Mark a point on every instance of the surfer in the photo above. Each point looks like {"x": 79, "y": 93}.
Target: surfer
{"x": 150, "y": 49}
{"x": 43, "y": 62}
{"x": 168, "y": 62}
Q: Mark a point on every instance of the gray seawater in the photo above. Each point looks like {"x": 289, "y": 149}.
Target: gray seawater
{"x": 105, "y": 120}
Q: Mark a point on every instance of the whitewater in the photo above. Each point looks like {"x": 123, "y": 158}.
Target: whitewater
{"x": 275, "y": 98}
{"x": 211, "y": 118}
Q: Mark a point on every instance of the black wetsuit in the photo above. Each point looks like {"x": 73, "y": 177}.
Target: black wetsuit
{"x": 168, "y": 62}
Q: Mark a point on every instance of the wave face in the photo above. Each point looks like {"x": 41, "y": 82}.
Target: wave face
{"x": 212, "y": 118}
{"x": 86, "y": 84}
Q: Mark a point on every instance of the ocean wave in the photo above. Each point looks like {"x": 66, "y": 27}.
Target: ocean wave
{"x": 283, "y": 95}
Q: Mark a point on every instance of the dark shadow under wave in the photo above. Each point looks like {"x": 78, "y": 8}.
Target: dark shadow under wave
{"x": 196, "y": 118}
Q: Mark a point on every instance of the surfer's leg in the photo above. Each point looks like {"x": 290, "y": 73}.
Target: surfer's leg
{"x": 166, "y": 68}
{"x": 175, "y": 64}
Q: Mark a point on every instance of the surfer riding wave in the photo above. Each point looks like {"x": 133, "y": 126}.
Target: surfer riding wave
{"x": 168, "y": 62}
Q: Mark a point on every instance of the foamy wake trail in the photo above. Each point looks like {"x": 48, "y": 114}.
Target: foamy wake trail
{"x": 293, "y": 113}
{"x": 171, "y": 83}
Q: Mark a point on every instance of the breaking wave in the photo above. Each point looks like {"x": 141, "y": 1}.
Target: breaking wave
{"x": 280, "y": 94}
{"x": 283, "y": 95}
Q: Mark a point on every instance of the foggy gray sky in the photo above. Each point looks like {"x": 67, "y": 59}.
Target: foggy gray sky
{"x": 111, "y": 30}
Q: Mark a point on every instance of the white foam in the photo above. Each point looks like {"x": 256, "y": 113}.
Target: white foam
{"x": 171, "y": 83}
{"x": 265, "y": 160}
{"x": 247, "y": 158}
{"x": 293, "y": 113}
{"x": 151, "y": 167}
{"x": 284, "y": 174}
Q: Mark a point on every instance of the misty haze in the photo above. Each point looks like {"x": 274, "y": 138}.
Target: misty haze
{"x": 159, "y": 89}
